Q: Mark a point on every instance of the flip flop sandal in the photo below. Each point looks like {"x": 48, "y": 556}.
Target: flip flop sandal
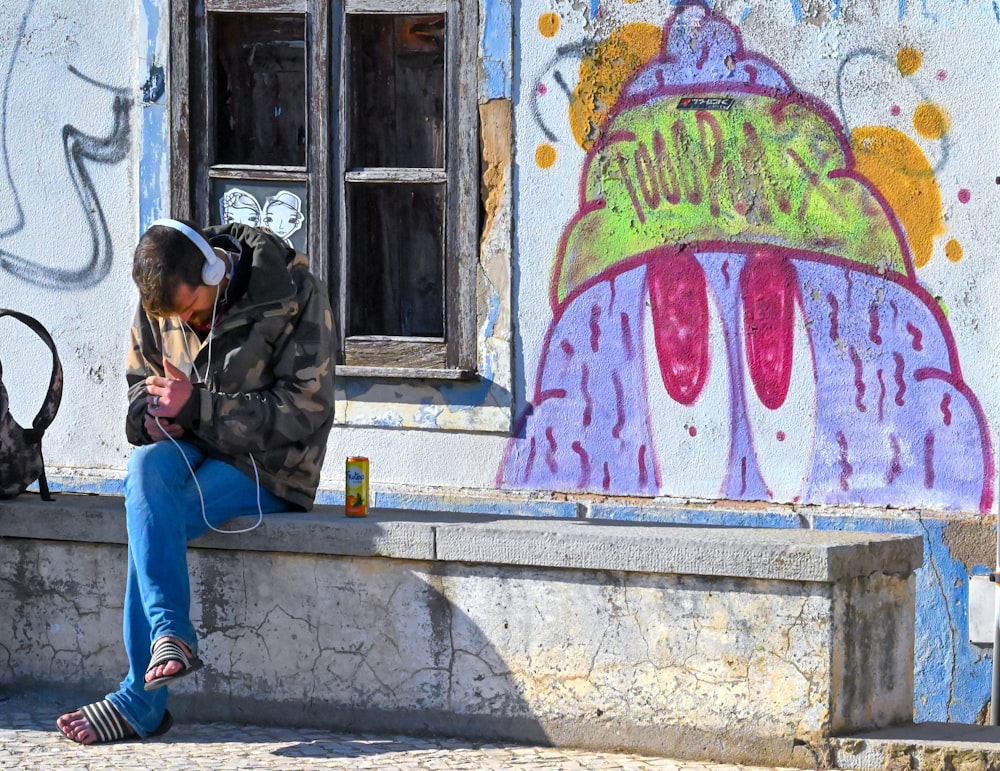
{"x": 165, "y": 650}
{"x": 110, "y": 726}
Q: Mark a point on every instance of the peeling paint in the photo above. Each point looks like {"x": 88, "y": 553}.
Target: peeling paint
{"x": 495, "y": 137}
{"x": 152, "y": 171}
{"x": 155, "y": 86}
{"x": 972, "y": 542}
{"x": 495, "y": 49}
{"x": 494, "y": 286}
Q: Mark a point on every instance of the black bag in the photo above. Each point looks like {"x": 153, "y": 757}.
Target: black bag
{"x": 21, "y": 448}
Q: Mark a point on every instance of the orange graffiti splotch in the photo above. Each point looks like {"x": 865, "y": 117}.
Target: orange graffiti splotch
{"x": 548, "y": 24}
{"x": 898, "y": 168}
{"x": 930, "y": 120}
{"x": 545, "y": 156}
{"x": 908, "y": 60}
{"x": 603, "y": 74}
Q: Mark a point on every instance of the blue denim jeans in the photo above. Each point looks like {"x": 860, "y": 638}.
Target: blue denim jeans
{"x": 164, "y": 512}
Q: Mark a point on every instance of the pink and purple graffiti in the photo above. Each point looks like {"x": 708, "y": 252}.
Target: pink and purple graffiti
{"x": 727, "y": 263}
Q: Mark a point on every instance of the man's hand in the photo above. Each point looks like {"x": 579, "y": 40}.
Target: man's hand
{"x": 160, "y": 430}
{"x": 167, "y": 395}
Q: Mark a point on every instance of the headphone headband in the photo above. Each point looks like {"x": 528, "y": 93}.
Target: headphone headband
{"x": 215, "y": 269}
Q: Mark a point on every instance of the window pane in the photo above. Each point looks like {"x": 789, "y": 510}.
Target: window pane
{"x": 277, "y": 206}
{"x": 396, "y": 91}
{"x": 396, "y": 252}
{"x": 260, "y": 89}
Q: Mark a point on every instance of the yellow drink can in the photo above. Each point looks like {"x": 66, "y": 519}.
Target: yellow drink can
{"x": 356, "y": 487}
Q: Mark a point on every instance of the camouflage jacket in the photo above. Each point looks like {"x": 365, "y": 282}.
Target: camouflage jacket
{"x": 268, "y": 390}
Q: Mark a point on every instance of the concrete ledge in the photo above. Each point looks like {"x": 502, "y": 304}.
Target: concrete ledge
{"x": 919, "y": 746}
{"x": 644, "y": 547}
{"x": 709, "y": 643}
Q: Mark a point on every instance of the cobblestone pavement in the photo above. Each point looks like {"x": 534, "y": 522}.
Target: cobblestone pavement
{"x": 30, "y": 740}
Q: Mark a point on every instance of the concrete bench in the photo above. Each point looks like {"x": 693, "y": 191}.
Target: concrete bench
{"x": 727, "y": 644}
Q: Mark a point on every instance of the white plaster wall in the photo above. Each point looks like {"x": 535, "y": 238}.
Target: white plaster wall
{"x": 415, "y": 458}
{"x": 43, "y": 222}
{"x": 87, "y": 308}
{"x": 62, "y": 64}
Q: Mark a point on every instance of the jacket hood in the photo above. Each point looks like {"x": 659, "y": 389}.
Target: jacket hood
{"x": 272, "y": 281}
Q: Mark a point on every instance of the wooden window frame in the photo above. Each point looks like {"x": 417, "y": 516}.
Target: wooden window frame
{"x": 326, "y": 176}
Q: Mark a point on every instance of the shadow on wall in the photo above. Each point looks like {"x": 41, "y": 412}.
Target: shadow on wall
{"x": 379, "y": 646}
{"x": 352, "y": 642}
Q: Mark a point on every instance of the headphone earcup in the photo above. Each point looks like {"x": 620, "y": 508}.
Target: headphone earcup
{"x": 213, "y": 271}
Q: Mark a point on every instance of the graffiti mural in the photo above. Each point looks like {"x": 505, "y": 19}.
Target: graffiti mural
{"x": 736, "y": 311}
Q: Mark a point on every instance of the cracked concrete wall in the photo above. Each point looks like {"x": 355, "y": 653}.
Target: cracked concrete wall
{"x": 737, "y": 669}
{"x": 952, "y": 677}
{"x": 885, "y": 685}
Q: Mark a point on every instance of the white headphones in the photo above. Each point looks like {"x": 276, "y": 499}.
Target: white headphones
{"x": 214, "y": 269}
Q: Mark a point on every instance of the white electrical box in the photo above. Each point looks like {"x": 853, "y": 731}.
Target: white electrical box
{"x": 982, "y": 610}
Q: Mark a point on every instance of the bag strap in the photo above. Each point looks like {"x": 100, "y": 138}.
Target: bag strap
{"x": 47, "y": 412}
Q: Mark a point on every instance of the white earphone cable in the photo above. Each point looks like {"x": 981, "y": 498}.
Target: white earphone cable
{"x": 201, "y": 497}
{"x": 256, "y": 473}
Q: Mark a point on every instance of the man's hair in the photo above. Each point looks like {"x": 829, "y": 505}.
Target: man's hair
{"x": 164, "y": 260}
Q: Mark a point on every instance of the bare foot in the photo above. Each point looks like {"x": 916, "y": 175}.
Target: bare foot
{"x": 76, "y": 727}
{"x": 171, "y": 667}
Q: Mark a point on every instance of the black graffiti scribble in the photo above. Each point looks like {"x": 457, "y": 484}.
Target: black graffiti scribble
{"x": 79, "y": 148}
{"x": 572, "y": 53}
{"x": 8, "y": 77}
